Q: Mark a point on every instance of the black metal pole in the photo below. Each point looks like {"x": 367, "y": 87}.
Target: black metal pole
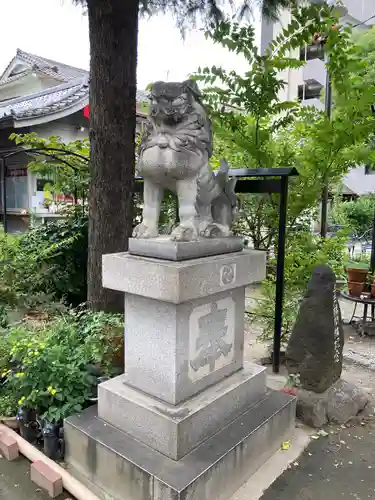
{"x": 280, "y": 275}
{"x": 325, "y": 194}
{"x": 4, "y": 193}
{"x": 372, "y": 261}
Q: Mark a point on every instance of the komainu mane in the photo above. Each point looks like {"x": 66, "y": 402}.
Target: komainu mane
{"x": 174, "y": 155}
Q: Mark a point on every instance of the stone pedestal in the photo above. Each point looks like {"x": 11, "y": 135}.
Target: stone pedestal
{"x": 187, "y": 419}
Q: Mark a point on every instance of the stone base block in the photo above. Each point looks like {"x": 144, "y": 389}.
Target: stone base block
{"x": 176, "y": 430}
{"x": 176, "y": 351}
{"x": 177, "y": 282}
{"x": 114, "y": 464}
{"x": 164, "y": 248}
{"x": 341, "y": 403}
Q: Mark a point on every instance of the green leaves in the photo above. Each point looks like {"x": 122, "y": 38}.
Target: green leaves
{"x": 67, "y": 173}
{"x": 254, "y": 128}
{"x": 303, "y": 253}
{"x": 52, "y": 362}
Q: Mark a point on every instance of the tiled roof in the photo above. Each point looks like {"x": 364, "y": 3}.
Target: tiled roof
{"x": 51, "y": 101}
{"x": 48, "y": 67}
{"x": 73, "y": 89}
{"x": 46, "y": 102}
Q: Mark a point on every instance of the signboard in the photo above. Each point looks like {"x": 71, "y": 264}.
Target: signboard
{"x": 16, "y": 172}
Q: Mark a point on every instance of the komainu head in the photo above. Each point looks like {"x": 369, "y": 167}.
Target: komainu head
{"x": 171, "y": 101}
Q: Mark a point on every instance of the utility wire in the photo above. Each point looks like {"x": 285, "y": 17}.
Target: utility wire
{"x": 364, "y": 22}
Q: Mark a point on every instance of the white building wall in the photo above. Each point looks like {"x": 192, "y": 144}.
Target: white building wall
{"x": 66, "y": 131}
{"x": 358, "y": 11}
{"x": 292, "y": 78}
{"x": 33, "y": 83}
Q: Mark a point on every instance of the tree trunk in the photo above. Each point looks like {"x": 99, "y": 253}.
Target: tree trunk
{"x": 113, "y": 26}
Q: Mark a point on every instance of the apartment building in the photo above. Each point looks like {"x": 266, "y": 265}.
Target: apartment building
{"x": 307, "y": 83}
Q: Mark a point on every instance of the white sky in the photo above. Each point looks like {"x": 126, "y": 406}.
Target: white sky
{"x": 56, "y": 29}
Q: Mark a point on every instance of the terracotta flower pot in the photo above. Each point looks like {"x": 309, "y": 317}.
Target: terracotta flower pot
{"x": 355, "y": 288}
{"x": 357, "y": 275}
{"x": 373, "y": 290}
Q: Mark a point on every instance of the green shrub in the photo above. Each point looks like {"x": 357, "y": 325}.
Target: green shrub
{"x": 303, "y": 253}
{"x": 47, "y": 263}
{"x": 47, "y": 367}
{"x": 356, "y": 215}
{"x": 8, "y": 403}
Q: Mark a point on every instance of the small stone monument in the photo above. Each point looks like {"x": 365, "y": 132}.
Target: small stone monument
{"x": 315, "y": 348}
{"x": 188, "y": 418}
{"x": 315, "y": 353}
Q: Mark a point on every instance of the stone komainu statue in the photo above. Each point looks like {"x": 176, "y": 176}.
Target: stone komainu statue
{"x": 174, "y": 154}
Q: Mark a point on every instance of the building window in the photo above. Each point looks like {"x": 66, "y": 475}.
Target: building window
{"x": 16, "y": 188}
{"x": 313, "y": 91}
{"x": 310, "y": 52}
{"x": 309, "y": 91}
{"x": 314, "y": 52}
{"x": 41, "y": 183}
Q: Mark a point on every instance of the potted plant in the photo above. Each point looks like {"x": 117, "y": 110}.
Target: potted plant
{"x": 53, "y": 440}
{"x": 355, "y": 289}
{"x": 52, "y": 379}
{"x": 371, "y": 283}
{"x": 357, "y": 272}
{"x": 28, "y": 423}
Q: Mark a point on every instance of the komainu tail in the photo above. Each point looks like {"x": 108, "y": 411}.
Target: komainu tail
{"x": 224, "y": 207}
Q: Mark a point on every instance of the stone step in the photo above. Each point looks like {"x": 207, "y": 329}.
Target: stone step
{"x": 113, "y": 463}
{"x": 176, "y": 430}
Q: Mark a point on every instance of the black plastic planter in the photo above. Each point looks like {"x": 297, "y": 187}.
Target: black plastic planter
{"x": 53, "y": 441}
{"x": 29, "y": 427}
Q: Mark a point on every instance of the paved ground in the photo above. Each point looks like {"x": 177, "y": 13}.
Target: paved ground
{"x": 340, "y": 466}
{"x": 15, "y": 483}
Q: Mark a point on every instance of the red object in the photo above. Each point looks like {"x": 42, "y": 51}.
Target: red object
{"x": 64, "y": 197}
{"x": 86, "y": 111}
{"x": 46, "y": 478}
{"x": 16, "y": 172}
{"x": 289, "y": 390}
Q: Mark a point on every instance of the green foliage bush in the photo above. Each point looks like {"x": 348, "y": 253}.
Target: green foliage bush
{"x": 355, "y": 215}
{"x": 303, "y": 253}
{"x": 47, "y": 263}
{"x": 47, "y": 367}
{"x": 8, "y": 404}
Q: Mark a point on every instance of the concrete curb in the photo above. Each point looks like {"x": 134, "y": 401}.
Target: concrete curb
{"x": 267, "y": 474}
